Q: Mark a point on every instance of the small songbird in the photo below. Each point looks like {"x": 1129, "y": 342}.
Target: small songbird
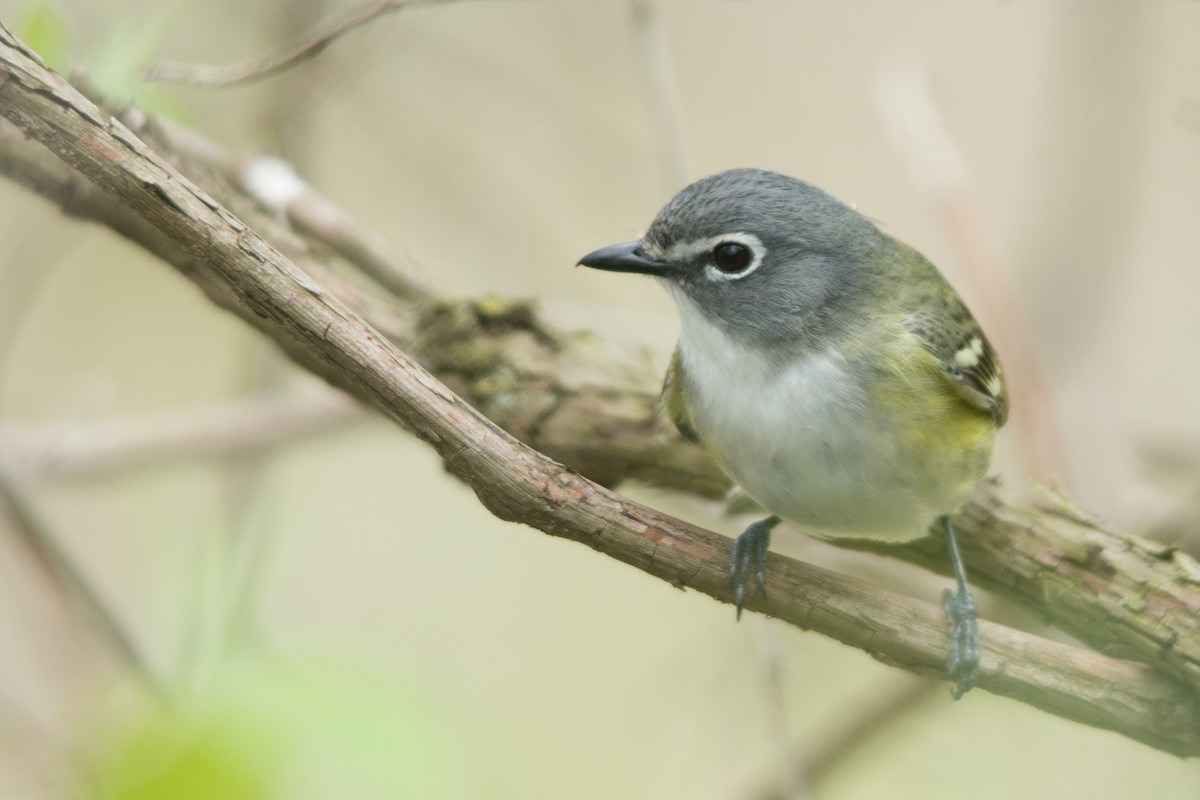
{"x": 831, "y": 370}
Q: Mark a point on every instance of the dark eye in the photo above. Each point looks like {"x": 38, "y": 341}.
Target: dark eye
{"x": 732, "y": 256}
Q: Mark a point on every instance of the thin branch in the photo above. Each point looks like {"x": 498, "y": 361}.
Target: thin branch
{"x": 516, "y": 483}
{"x": 249, "y": 426}
{"x": 810, "y": 765}
{"x": 770, "y": 664}
{"x": 255, "y": 69}
{"x": 274, "y": 184}
{"x": 663, "y": 82}
{"x": 35, "y": 534}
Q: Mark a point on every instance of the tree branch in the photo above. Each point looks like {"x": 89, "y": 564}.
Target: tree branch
{"x": 241, "y": 271}
{"x": 572, "y": 396}
{"x": 576, "y": 399}
{"x": 308, "y": 47}
{"x": 249, "y": 426}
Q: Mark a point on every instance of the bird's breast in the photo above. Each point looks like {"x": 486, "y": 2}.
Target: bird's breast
{"x": 804, "y": 436}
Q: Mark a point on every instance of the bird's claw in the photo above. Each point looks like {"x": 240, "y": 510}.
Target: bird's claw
{"x": 963, "y": 665}
{"x": 750, "y": 552}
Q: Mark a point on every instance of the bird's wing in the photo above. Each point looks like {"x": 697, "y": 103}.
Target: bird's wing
{"x": 965, "y": 356}
{"x": 673, "y": 400}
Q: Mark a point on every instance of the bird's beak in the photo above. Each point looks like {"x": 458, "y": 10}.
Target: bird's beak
{"x": 626, "y": 257}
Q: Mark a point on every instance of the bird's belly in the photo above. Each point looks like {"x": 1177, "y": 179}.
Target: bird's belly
{"x": 829, "y": 486}
{"x": 802, "y": 443}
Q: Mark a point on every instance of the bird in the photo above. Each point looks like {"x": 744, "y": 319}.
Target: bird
{"x": 832, "y": 371}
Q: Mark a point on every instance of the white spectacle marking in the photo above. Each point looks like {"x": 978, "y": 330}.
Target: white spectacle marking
{"x": 686, "y": 251}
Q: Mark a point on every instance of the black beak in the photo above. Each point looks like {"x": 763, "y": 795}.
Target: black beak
{"x": 626, "y": 257}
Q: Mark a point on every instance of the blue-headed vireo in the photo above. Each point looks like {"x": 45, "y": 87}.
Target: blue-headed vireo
{"x": 831, "y": 369}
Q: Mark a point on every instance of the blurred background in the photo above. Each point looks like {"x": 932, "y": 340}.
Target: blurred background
{"x": 338, "y": 618}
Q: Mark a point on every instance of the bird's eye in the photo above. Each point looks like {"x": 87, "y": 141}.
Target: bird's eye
{"x": 732, "y": 256}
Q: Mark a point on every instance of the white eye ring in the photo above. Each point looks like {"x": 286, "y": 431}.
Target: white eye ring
{"x": 749, "y": 240}
{"x": 682, "y": 253}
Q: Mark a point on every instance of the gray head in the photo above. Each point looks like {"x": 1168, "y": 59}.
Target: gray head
{"x": 762, "y": 255}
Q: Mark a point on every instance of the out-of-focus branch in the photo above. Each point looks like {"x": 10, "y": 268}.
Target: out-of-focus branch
{"x": 845, "y": 736}
{"x": 240, "y": 271}
{"x": 59, "y": 572}
{"x": 79, "y": 449}
{"x": 663, "y": 83}
{"x": 275, "y": 186}
{"x": 256, "y": 69}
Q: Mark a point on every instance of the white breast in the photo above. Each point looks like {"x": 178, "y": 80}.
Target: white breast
{"x": 799, "y": 438}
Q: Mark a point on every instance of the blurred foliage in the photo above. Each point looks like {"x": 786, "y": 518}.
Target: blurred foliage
{"x": 45, "y": 31}
{"x": 266, "y": 730}
{"x": 116, "y": 69}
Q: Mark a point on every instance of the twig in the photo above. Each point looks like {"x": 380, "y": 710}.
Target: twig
{"x": 770, "y": 662}
{"x": 249, "y": 426}
{"x": 277, "y": 187}
{"x": 256, "y": 69}
{"x": 274, "y": 185}
{"x": 60, "y": 572}
{"x": 519, "y": 484}
{"x": 663, "y": 83}
{"x": 811, "y": 763}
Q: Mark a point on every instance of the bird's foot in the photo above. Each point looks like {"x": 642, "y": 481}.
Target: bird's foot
{"x": 963, "y": 664}
{"x": 750, "y": 552}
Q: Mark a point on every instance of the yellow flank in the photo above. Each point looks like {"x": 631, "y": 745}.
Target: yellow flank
{"x": 929, "y": 410}
{"x": 673, "y": 400}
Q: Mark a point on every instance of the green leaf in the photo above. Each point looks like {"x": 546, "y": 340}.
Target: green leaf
{"x": 44, "y": 31}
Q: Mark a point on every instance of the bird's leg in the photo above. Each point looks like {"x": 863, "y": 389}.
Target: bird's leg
{"x": 963, "y": 664}
{"x": 750, "y": 550}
